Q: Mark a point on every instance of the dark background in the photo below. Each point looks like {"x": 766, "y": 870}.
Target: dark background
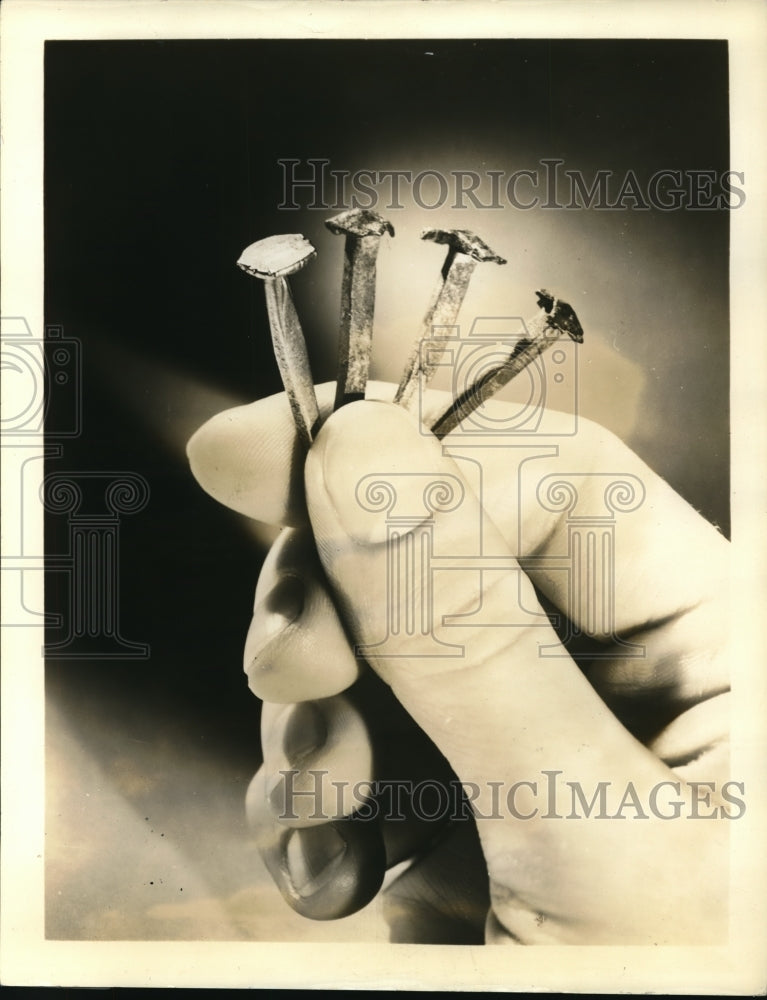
{"x": 160, "y": 167}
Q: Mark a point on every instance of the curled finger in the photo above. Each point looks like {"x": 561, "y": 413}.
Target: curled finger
{"x": 296, "y": 648}
{"x": 323, "y": 872}
{"x": 318, "y": 759}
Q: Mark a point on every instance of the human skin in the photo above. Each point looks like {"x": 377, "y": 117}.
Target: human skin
{"x": 497, "y": 714}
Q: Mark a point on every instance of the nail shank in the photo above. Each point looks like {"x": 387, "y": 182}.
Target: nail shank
{"x": 555, "y": 320}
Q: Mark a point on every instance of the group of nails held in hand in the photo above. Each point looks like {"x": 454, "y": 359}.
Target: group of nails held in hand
{"x": 650, "y": 730}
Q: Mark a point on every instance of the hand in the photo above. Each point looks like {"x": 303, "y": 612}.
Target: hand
{"x": 508, "y": 722}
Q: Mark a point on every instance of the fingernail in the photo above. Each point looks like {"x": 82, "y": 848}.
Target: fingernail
{"x": 305, "y": 732}
{"x": 376, "y": 462}
{"x": 295, "y": 794}
{"x": 272, "y": 615}
{"x": 312, "y": 856}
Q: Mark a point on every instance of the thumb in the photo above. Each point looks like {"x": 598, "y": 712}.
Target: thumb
{"x": 456, "y": 635}
{"x": 401, "y": 537}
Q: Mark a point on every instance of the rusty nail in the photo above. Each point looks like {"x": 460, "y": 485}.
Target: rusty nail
{"x": 363, "y": 230}
{"x": 272, "y": 260}
{"x": 555, "y": 319}
{"x": 465, "y": 251}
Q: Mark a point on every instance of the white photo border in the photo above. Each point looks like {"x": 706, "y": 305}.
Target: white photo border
{"x": 738, "y": 968}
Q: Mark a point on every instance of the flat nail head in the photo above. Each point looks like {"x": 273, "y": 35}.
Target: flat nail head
{"x": 272, "y": 260}
{"x": 463, "y": 241}
{"x": 276, "y": 256}
{"x": 359, "y": 222}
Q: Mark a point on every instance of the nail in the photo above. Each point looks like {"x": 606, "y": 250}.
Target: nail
{"x": 295, "y": 793}
{"x": 272, "y": 260}
{"x": 312, "y": 857}
{"x": 556, "y": 319}
{"x": 286, "y": 599}
{"x": 465, "y": 251}
{"x": 272, "y": 615}
{"x": 363, "y": 230}
{"x": 305, "y": 732}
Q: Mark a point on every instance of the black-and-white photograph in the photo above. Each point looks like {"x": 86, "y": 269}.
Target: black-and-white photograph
{"x": 379, "y": 423}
